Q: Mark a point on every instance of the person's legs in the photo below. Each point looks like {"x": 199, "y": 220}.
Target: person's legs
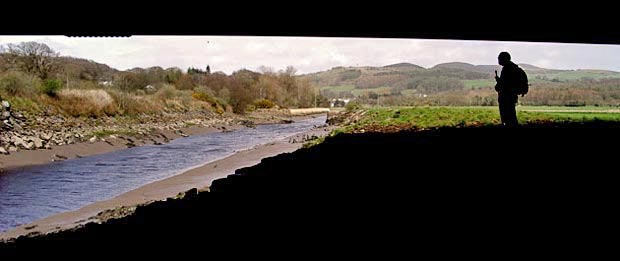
{"x": 511, "y": 115}
{"x": 508, "y": 112}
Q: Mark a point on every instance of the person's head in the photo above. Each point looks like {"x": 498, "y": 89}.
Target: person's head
{"x": 503, "y": 58}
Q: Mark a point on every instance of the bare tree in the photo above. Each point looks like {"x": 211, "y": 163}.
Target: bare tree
{"x": 32, "y": 57}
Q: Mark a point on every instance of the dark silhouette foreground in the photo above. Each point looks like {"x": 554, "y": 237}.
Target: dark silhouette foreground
{"x": 447, "y": 191}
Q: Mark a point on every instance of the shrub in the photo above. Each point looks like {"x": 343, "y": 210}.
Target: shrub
{"x": 201, "y": 96}
{"x": 77, "y": 102}
{"x": 51, "y": 87}
{"x": 130, "y": 104}
{"x": 19, "y": 84}
{"x": 352, "y": 106}
{"x": 166, "y": 92}
{"x": 264, "y": 104}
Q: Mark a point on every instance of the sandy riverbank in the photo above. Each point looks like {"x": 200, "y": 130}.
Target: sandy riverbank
{"x": 199, "y": 177}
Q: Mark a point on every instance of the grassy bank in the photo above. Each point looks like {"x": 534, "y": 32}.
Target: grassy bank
{"x": 431, "y": 117}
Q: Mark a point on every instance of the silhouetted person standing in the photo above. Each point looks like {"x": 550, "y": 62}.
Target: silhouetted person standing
{"x": 506, "y": 89}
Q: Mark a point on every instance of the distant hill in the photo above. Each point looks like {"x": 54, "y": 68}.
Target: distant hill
{"x": 410, "y": 78}
{"x": 468, "y": 67}
{"x": 538, "y": 70}
{"x": 404, "y": 65}
{"x": 86, "y": 69}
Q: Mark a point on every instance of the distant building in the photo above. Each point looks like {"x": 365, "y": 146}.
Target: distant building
{"x": 106, "y": 83}
{"x": 339, "y": 102}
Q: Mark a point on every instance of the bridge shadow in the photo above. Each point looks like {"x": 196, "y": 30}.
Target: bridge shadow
{"x": 460, "y": 189}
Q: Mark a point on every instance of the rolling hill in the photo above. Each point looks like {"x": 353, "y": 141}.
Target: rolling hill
{"x": 409, "y": 79}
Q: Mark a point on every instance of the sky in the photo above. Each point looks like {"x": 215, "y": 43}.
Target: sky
{"x": 313, "y": 54}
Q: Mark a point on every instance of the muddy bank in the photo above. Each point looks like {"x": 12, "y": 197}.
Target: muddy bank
{"x": 61, "y": 141}
{"x": 461, "y": 189}
{"x": 198, "y": 177}
{"x": 110, "y": 143}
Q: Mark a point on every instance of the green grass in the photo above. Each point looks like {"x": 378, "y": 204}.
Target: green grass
{"x": 378, "y": 90}
{"x": 21, "y": 104}
{"x": 575, "y": 75}
{"x": 408, "y": 92}
{"x": 569, "y": 108}
{"x": 584, "y": 116}
{"x": 430, "y": 117}
{"x": 474, "y": 84}
{"x": 340, "y": 88}
{"x": 356, "y": 92}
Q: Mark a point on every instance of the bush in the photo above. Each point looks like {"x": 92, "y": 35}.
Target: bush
{"x": 207, "y": 95}
{"x": 130, "y": 104}
{"x": 201, "y": 96}
{"x": 166, "y": 92}
{"x": 51, "y": 87}
{"x": 353, "y": 106}
{"x": 264, "y": 104}
{"x": 19, "y": 84}
{"x": 89, "y": 103}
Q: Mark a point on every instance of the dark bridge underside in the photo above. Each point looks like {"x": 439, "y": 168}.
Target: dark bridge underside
{"x": 449, "y": 191}
{"x": 460, "y": 20}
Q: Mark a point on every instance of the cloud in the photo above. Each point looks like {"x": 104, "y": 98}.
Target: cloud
{"x": 311, "y": 54}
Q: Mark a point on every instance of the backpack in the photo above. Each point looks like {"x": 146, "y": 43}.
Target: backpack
{"x": 521, "y": 86}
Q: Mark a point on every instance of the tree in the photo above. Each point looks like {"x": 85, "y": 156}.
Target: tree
{"x": 32, "y": 57}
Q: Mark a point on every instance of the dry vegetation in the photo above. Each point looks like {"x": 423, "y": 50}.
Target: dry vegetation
{"x": 81, "y": 88}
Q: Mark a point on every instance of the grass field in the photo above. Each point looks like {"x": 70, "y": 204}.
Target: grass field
{"x": 378, "y": 90}
{"x": 474, "y": 84}
{"x": 575, "y": 75}
{"x": 341, "y": 88}
{"x": 428, "y": 117}
{"x": 356, "y": 92}
{"x": 571, "y": 108}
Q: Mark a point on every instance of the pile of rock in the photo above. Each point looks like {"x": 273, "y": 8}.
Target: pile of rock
{"x": 49, "y": 129}
{"x": 9, "y": 119}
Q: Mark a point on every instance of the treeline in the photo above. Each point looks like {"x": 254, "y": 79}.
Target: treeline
{"x": 242, "y": 90}
{"x": 587, "y": 92}
{"x": 33, "y": 73}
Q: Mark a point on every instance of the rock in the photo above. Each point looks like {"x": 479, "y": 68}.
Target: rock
{"x": 28, "y": 146}
{"x": 17, "y": 141}
{"x": 5, "y": 115}
{"x": 3, "y": 151}
{"x": 47, "y": 146}
{"x": 46, "y": 136}
{"x": 59, "y": 156}
{"x": 93, "y": 139}
{"x": 38, "y": 143}
{"x": 247, "y": 123}
{"x": 13, "y": 149}
{"x": 18, "y": 116}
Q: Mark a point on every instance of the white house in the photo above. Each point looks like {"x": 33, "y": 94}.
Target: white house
{"x": 339, "y": 102}
{"x": 106, "y": 83}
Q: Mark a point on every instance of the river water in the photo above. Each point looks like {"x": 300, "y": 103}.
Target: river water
{"x": 37, "y": 192}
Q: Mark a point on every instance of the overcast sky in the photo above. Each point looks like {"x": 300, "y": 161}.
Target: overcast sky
{"x": 312, "y": 54}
